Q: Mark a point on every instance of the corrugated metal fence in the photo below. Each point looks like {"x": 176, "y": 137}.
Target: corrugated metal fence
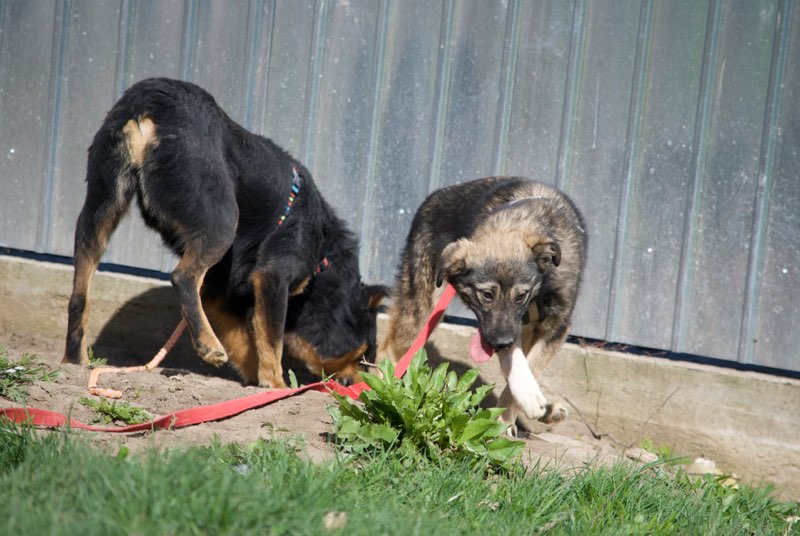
{"x": 674, "y": 125}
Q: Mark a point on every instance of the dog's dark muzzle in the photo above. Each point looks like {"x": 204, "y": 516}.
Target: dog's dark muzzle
{"x": 499, "y": 329}
{"x": 499, "y": 344}
{"x": 499, "y": 335}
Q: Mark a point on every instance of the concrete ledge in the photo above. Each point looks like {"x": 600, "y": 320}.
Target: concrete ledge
{"x": 749, "y": 423}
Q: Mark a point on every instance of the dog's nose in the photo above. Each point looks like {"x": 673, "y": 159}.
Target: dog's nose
{"x": 502, "y": 344}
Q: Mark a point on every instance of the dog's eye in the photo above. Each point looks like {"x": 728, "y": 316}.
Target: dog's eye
{"x": 522, "y": 297}
{"x": 487, "y": 295}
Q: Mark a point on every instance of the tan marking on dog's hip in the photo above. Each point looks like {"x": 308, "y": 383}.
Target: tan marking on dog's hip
{"x": 138, "y": 135}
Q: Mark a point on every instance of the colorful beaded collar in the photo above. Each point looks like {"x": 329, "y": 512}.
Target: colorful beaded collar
{"x": 296, "y": 183}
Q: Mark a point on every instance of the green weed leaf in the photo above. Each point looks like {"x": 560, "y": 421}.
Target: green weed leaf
{"x": 110, "y": 412}
{"x": 16, "y": 377}
{"x": 426, "y": 413}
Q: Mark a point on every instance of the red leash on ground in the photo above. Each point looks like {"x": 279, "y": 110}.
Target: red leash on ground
{"x": 223, "y": 410}
{"x": 95, "y": 374}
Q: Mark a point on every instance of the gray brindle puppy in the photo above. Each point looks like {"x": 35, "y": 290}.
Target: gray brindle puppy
{"x": 514, "y": 250}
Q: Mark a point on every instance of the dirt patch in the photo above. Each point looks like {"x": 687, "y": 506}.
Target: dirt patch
{"x": 304, "y": 418}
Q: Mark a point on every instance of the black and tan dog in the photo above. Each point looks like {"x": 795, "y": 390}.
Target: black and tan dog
{"x": 514, "y": 250}
{"x": 272, "y": 262}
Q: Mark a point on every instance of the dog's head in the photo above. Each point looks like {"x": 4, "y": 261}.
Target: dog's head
{"x": 365, "y": 305}
{"x": 335, "y": 326}
{"x": 497, "y": 279}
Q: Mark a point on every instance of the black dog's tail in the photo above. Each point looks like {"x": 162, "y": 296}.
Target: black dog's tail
{"x": 112, "y": 179}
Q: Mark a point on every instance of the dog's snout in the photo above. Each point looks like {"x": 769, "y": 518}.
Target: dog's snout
{"x": 502, "y": 344}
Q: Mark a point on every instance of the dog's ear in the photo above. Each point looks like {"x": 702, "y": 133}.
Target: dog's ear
{"x": 375, "y": 295}
{"x": 546, "y": 252}
{"x": 545, "y": 249}
{"x": 453, "y": 260}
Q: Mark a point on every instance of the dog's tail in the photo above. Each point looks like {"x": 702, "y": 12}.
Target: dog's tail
{"x": 140, "y": 135}
{"x": 116, "y": 157}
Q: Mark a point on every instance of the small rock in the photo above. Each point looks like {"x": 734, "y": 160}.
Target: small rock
{"x": 242, "y": 468}
{"x": 334, "y": 520}
{"x": 701, "y": 466}
{"x": 639, "y": 454}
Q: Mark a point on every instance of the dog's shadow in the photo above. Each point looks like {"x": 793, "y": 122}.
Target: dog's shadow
{"x": 141, "y": 326}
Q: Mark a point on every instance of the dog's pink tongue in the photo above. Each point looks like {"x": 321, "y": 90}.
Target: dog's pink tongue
{"x": 479, "y": 350}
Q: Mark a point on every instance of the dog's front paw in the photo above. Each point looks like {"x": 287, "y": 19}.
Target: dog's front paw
{"x": 210, "y": 349}
{"x": 511, "y": 431}
{"x": 554, "y": 413}
{"x": 530, "y": 400}
{"x": 346, "y": 380}
{"x": 524, "y": 388}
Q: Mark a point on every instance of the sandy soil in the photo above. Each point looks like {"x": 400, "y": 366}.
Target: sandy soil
{"x": 302, "y": 417}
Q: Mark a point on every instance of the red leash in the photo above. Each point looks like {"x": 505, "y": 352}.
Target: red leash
{"x": 94, "y": 375}
{"x": 223, "y": 410}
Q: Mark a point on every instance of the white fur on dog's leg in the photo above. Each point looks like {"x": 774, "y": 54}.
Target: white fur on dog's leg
{"x": 524, "y": 388}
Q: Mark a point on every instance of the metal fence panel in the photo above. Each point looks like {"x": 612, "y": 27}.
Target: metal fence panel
{"x": 772, "y": 336}
{"x": 473, "y": 92}
{"x": 350, "y": 41}
{"x": 722, "y": 217}
{"x": 673, "y": 125}
{"x": 405, "y": 130}
{"x": 594, "y": 153}
{"x": 537, "y": 101}
{"x": 28, "y": 39}
{"x": 659, "y": 172}
{"x": 290, "y": 72}
{"x": 219, "y": 43}
{"x": 88, "y": 48}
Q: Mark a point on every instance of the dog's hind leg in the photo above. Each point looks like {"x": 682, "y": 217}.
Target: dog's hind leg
{"x": 107, "y": 200}
{"x": 193, "y": 206}
{"x": 207, "y": 232}
{"x": 187, "y": 279}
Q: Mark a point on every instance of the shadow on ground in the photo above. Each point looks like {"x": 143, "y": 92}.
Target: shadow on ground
{"x": 140, "y": 327}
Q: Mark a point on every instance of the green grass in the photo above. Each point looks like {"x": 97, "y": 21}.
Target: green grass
{"x": 54, "y": 484}
{"x": 95, "y": 361}
{"x": 109, "y": 411}
{"x": 16, "y": 377}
